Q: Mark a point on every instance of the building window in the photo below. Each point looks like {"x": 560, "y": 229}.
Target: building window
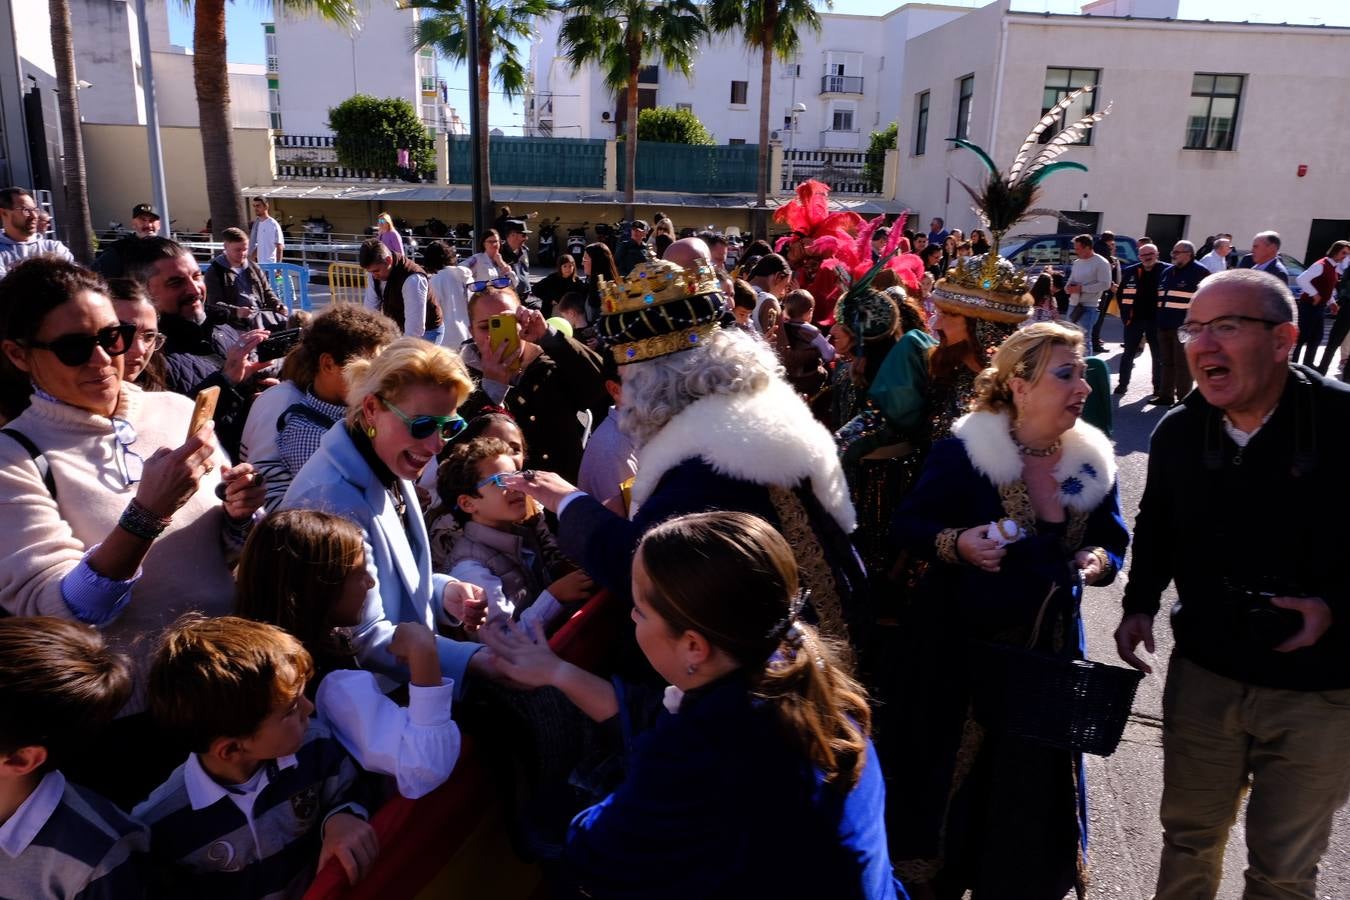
{"x": 965, "y": 93}
{"x": 1060, "y": 83}
{"x": 841, "y": 117}
{"x": 1211, "y": 122}
{"x": 792, "y": 70}
{"x": 736, "y": 141}
{"x": 686, "y": 107}
{"x": 274, "y": 108}
{"x": 921, "y": 124}
{"x": 739, "y": 91}
{"x": 649, "y": 75}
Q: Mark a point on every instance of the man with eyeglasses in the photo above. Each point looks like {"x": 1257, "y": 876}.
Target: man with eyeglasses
{"x": 21, "y": 237}
{"x": 1176, "y": 288}
{"x": 1243, "y": 511}
{"x": 1139, "y": 313}
{"x": 400, "y": 288}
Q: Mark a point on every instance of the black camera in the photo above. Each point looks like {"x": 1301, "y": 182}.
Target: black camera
{"x": 1265, "y": 623}
{"x": 279, "y": 344}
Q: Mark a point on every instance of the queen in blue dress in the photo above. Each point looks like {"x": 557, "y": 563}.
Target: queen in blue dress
{"x": 753, "y": 775}
{"x": 985, "y": 811}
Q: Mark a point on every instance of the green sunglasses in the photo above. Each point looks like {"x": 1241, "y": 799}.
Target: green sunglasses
{"x": 422, "y": 427}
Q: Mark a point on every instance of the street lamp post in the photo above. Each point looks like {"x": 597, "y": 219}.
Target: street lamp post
{"x": 797, "y": 110}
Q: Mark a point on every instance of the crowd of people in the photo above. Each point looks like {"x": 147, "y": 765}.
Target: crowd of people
{"x": 846, "y": 491}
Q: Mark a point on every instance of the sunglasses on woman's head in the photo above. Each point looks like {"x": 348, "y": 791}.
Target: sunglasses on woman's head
{"x": 503, "y": 281}
{"x": 75, "y": 349}
{"x": 422, "y": 427}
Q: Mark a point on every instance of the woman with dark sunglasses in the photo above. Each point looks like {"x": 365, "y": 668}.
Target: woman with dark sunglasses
{"x": 402, "y": 409}
{"x": 113, "y": 514}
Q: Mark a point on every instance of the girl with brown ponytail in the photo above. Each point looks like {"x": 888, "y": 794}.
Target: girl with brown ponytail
{"x": 758, "y": 778}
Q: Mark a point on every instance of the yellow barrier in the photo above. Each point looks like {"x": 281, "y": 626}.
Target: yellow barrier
{"x": 347, "y": 282}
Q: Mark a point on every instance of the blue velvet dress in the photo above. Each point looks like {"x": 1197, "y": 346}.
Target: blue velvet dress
{"x": 716, "y": 804}
{"x": 985, "y": 811}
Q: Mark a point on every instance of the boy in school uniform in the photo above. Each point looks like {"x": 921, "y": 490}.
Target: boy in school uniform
{"x": 265, "y": 798}
{"x": 58, "y": 685}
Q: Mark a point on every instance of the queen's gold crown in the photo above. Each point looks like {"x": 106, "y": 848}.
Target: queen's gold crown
{"x": 655, "y": 282}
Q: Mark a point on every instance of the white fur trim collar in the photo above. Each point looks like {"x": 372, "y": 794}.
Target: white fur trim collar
{"x": 1086, "y": 469}
{"x": 768, "y": 438}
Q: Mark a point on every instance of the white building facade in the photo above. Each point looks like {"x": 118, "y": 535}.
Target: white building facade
{"x": 846, "y": 77}
{"x": 1214, "y": 127}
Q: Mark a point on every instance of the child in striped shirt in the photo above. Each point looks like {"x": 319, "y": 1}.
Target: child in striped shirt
{"x": 265, "y": 798}
{"x": 58, "y": 685}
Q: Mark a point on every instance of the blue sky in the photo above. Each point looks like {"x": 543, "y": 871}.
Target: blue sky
{"x": 244, "y": 32}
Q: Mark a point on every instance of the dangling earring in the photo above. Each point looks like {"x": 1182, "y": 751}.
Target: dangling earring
{"x": 691, "y": 668}
{"x": 370, "y": 432}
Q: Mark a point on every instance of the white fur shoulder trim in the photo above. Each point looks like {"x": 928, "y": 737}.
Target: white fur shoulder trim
{"x": 768, "y": 438}
{"x": 1086, "y": 469}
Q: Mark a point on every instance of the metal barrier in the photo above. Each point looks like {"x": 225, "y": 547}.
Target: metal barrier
{"x": 347, "y": 283}
{"x": 290, "y": 282}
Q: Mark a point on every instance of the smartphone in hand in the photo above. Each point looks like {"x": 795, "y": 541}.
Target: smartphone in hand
{"x": 203, "y": 410}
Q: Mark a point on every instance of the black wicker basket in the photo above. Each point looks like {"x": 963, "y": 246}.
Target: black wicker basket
{"x": 1073, "y": 704}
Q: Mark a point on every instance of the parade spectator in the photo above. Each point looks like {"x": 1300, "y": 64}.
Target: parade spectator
{"x": 196, "y": 353}
{"x": 1317, "y": 297}
{"x": 937, "y": 232}
{"x": 1176, "y": 287}
{"x": 496, "y": 550}
{"x": 21, "y": 238}
{"x": 717, "y": 249}
{"x": 1089, "y": 278}
{"x": 111, "y": 263}
{"x": 263, "y": 778}
{"x": 59, "y": 687}
{"x": 126, "y": 529}
{"x": 663, "y": 235}
{"x": 609, "y": 460}
{"x": 517, "y": 256}
{"x": 1246, "y": 480}
{"x": 265, "y": 236}
{"x": 1106, "y": 248}
{"x": 1265, "y": 255}
{"x": 805, "y": 351}
{"x": 744, "y": 299}
{"x": 400, "y": 288}
{"x": 449, "y": 284}
{"x": 932, "y": 255}
{"x": 979, "y": 244}
{"x": 488, "y": 266}
{"x": 761, "y": 740}
{"x": 237, "y": 291}
{"x": 597, "y": 262}
{"x": 1216, "y": 260}
{"x": 633, "y": 249}
{"x": 142, "y": 364}
{"x": 388, "y": 234}
{"x": 304, "y": 571}
{"x": 965, "y": 814}
{"x": 401, "y": 409}
{"x": 1043, "y": 296}
{"x": 1140, "y": 296}
{"x": 772, "y": 279}
{"x": 551, "y": 380}
{"x": 552, "y": 287}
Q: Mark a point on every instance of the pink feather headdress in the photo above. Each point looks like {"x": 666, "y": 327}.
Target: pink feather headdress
{"x": 809, "y": 216}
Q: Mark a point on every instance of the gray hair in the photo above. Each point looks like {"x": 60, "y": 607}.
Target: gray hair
{"x": 1270, "y": 237}
{"x": 1277, "y": 302}
{"x": 656, "y": 390}
{"x": 1184, "y": 245}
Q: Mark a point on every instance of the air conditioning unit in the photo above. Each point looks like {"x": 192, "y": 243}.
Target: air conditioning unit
{"x": 775, "y": 135}
{"x": 606, "y": 116}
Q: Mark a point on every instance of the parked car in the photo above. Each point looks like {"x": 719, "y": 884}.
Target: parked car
{"x": 1033, "y": 253}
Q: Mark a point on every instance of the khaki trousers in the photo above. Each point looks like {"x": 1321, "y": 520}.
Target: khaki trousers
{"x": 1221, "y": 736}
{"x": 1176, "y": 373}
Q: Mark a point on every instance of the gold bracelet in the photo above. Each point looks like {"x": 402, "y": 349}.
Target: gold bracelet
{"x": 1104, "y": 558}
{"x": 946, "y": 545}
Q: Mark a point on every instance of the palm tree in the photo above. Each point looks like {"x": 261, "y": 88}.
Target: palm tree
{"x": 500, "y": 24}
{"x": 772, "y": 27}
{"x": 619, "y": 35}
{"x": 210, "y": 75}
{"x": 79, "y": 229}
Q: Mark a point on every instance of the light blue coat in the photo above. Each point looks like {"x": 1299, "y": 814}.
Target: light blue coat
{"x": 338, "y": 480}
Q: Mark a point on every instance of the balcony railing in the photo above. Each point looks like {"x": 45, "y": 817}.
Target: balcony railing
{"x": 841, "y": 84}
{"x": 845, "y": 171}
{"x": 309, "y": 157}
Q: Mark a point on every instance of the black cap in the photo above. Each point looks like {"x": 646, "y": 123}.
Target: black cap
{"x": 638, "y": 223}
{"x": 513, "y": 225}
{"x": 144, "y": 209}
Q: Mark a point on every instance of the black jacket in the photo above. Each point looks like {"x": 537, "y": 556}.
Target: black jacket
{"x": 222, "y": 291}
{"x": 1219, "y": 521}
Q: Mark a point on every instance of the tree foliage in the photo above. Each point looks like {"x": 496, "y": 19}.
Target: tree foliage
{"x": 501, "y": 24}
{"x": 369, "y": 132}
{"x": 668, "y": 125}
{"x": 874, "y": 170}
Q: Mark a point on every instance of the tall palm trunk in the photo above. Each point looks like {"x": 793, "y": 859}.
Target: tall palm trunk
{"x": 483, "y": 137}
{"x": 630, "y": 131}
{"x": 760, "y": 223}
{"x": 210, "y": 74}
{"x": 78, "y": 228}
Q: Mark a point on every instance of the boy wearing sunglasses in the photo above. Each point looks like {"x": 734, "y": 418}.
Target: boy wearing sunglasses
{"x": 506, "y": 560}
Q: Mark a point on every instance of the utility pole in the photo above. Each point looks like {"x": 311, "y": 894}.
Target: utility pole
{"x": 477, "y": 121}
{"x": 157, "y": 185}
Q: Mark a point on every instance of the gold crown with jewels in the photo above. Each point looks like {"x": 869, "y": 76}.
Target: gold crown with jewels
{"x": 654, "y": 283}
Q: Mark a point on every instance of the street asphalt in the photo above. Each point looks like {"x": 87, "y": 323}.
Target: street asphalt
{"x": 1125, "y": 788}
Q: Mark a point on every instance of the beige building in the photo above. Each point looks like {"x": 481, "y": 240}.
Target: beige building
{"x": 1214, "y": 126}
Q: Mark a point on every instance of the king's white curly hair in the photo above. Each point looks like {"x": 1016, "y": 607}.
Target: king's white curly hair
{"x": 730, "y": 361}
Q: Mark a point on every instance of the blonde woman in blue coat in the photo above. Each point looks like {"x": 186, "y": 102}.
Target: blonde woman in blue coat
{"x": 401, "y": 411}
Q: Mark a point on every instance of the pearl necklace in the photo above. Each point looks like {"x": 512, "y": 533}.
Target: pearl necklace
{"x": 1024, "y": 450}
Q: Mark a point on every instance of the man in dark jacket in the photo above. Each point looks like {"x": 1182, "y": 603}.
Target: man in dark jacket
{"x": 237, "y": 291}
{"x": 111, "y": 263}
{"x": 1176, "y": 287}
{"x": 517, "y": 256}
{"x": 1265, "y": 256}
{"x": 633, "y": 251}
{"x": 1242, "y": 511}
{"x": 1139, "y": 295}
{"x": 196, "y": 353}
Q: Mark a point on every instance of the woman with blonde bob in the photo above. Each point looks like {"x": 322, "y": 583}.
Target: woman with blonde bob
{"x": 756, "y": 776}
{"x": 401, "y": 410}
{"x": 1015, "y": 513}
